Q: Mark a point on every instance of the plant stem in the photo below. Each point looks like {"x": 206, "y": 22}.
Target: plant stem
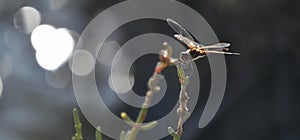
{"x": 98, "y": 134}
{"x": 143, "y": 112}
{"x": 165, "y": 60}
{"x": 78, "y": 134}
{"x": 183, "y": 110}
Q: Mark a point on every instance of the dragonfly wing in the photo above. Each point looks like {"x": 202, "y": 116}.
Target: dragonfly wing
{"x": 188, "y": 42}
{"x": 179, "y": 29}
{"x": 216, "y": 46}
{"x": 198, "y": 44}
{"x": 221, "y": 52}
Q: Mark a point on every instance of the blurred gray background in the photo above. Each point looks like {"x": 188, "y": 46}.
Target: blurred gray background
{"x": 261, "y": 100}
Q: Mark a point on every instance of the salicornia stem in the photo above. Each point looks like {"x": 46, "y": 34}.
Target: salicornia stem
{"x": 78, "y": 127}
{"x": 165, "y": 60}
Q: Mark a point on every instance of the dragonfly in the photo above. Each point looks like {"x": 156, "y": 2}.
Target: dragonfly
{"x": 197, "y": 50}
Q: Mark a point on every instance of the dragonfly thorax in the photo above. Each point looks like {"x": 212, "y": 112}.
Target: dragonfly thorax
{"x": 196, "y": 53}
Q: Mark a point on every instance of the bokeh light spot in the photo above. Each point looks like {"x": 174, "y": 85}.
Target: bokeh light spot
{"x": 83, "y": 63}
{"x": 53, "y": 46}
{"x": 26, "y": 19}
{"x": 59, "y": 78}
{"x": 123, "y": 84}
{"x": 41, "y": 37}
